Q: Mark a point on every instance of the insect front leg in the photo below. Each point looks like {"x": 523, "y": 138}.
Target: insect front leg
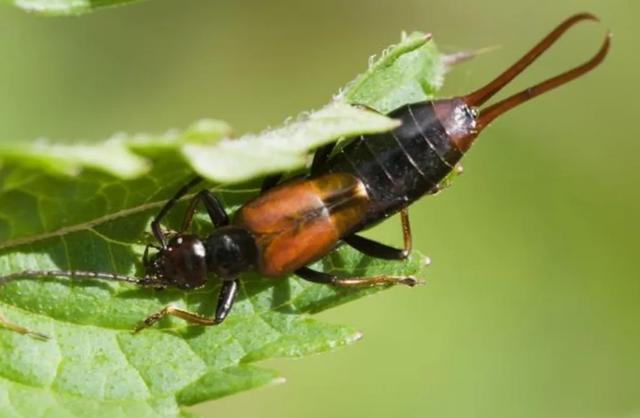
{"x": 146, "y": 261}
{"x": 173, "y": 311}
{"x": 155, "y": 224}
{"x": 226, "y": 297}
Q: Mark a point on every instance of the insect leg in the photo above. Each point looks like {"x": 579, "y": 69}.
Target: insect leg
{"x": 270, "y": 182}
{"x": 5, "y": 323}
{"x": 173, "y": 311}
{"x": 226, "y": 298}
{"x": 145, "y": 256}
{"x": 155, "y": 224}
{"x": 321, "y": 157}
{"x": 216, "y": 211}
{"x": 375, "y": 249}
{"x": 378, "y": 250}
{"x": 325, "y": 278}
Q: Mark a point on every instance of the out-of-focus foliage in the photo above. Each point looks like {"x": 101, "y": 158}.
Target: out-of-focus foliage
{"x": 64, "y": 7}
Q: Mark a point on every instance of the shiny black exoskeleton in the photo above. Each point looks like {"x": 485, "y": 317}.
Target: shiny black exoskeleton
{"x": 401, "y": 166}
{"x": 187, "y": 260}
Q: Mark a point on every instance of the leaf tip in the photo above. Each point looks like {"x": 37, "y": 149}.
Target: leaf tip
{"x": 455, "y": 58}
{"x": 279, "y": 380}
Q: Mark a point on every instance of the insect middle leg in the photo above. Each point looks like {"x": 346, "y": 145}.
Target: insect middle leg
{"x": 226, "y": 298}
{"x": 321, "y": 157}
{"x": 270, "y": 182}
{"x": 326, "y": 278}
{"x": 382, "y": 251}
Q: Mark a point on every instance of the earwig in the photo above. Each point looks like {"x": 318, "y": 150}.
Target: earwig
{"x": 294, "y": 223}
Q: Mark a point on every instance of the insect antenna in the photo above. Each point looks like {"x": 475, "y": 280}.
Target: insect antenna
{"x": 483, "y": 94}
{"x": 148, "y": 281}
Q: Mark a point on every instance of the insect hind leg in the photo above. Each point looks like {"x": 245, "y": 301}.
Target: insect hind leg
{"x": 330, "y": 279}
{"x": 382, "y": 251}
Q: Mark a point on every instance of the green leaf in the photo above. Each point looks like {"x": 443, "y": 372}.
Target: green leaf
{"x": 65, "y": 7}
{"x": 409, "y": 72}
{"x": 71, "y": 159}
{"x": 285, "y": 148}
{"x": 51, "y": 217}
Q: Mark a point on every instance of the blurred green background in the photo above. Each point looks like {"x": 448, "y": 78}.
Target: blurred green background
{"x": 532, "y": 304}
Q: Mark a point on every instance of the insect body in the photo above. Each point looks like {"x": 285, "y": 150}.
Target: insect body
{"x": 370, "y": 178}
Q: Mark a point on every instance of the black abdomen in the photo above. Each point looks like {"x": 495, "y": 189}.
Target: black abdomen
{"x": 399, "y": 166}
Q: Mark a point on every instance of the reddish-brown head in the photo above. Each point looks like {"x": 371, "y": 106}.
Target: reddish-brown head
{"x": 460, "y": 116}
